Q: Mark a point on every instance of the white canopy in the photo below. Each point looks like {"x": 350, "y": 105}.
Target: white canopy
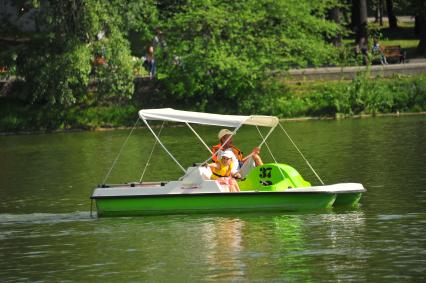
{"x": 169, "y": 114}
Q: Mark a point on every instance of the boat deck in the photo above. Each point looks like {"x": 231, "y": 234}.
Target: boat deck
{"x": 209, "y": 187}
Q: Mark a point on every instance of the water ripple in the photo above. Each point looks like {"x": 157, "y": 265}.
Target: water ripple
{"x": 44, "y": 218}
{"x": 398, "y": 216}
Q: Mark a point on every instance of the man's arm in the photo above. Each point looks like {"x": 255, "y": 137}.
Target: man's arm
{"x": 256, "y": 151}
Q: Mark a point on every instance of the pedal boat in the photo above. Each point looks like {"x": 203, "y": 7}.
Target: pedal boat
{"x": 270, "y": 187}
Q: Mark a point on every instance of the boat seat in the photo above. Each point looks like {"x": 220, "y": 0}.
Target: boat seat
{"x": 196, "y": 175}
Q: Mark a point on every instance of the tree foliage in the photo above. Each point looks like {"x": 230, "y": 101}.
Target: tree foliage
{"x": 229, "y": 51}
{"x": 140, "y": 16}
{"x": 52, "y": 77}
{"x": 221, "y": 56}
{"x": 58, "y": 65}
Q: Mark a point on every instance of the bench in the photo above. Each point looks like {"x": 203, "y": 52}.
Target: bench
{"x": 394, "y": 53}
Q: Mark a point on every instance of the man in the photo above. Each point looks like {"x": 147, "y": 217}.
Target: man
{"x": 242, "y": 165}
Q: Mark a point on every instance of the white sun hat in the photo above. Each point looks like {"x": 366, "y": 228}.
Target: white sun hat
{"x": 223, "y": 133}
{"x": 228, "y": 154}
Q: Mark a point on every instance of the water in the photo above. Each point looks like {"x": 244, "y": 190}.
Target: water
{"x": 47, "y": 235}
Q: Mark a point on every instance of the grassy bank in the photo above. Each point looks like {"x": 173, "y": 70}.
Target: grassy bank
{"x": 360, "y": 96}
{"x": 17, "y": 116}
{"x": 357, "y": 97}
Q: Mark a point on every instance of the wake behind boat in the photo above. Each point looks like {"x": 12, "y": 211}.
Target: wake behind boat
{"x": 269, "y": 187}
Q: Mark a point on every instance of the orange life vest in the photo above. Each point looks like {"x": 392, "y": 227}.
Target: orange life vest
{"x": 238, "y": 153}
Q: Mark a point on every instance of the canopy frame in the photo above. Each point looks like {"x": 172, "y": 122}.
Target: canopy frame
{"x": 188, "y": 117}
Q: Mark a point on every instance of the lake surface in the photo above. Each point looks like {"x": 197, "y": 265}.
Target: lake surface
{"x": 47, "y": 235}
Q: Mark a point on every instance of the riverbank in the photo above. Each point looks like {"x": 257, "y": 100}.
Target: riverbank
{"x": 360, "y": 97}
{"x": 296, "y": 119}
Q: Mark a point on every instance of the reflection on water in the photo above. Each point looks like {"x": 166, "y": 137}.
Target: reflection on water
{"x": 274, "y": 247}
{"x": 47, "y": 235}
{"x": 223, "y": 247}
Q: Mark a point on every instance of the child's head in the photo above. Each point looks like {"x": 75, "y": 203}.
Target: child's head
{"x": 226, "y": 157}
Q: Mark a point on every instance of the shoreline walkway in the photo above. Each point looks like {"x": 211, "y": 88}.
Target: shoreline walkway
{"x": 414, "y": 66}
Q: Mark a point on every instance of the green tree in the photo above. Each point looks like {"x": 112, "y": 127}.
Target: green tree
{"x": 229, "y": 51}
{"x": 140, "y": 16}
{"x": 57, "y": 64}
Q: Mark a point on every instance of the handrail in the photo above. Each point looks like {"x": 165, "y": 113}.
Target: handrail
{"x": 162, "y": 145}
{"x": 119, "y": 153}
{"x": 294, "y": 144}
{"x": 150, "y": 155}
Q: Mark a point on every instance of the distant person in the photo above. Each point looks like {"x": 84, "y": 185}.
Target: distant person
{"x": 377, "y": 50}
{"x": 149, "y": 62}
{"x": 159, "y": 42}
{"x": 363, "y": 47}
{"x": 222, "y": 171}
{"x": 242, "y": 164}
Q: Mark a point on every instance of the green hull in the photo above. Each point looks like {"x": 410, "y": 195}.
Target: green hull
{"x": 349, "y": 199}
{"x": 213, "y": 203}
{"x": 266, "y": 188}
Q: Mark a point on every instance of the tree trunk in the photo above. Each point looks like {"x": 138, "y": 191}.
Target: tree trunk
{"x": 421, "y": 48}
{"x": 379, "y": 12}
{"x": 376, "y": 12}
{"x": 334, "y": 15}
{"x": 359, "y": 18}
{"x": 355, "y": 14}
{"x": 391, "y": 16}
{"x": 417, "y": 24}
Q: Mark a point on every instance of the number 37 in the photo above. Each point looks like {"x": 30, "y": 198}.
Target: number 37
{"x": 265, "y": 172}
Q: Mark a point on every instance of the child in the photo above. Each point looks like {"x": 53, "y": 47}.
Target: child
{"x": 222, "y": 171}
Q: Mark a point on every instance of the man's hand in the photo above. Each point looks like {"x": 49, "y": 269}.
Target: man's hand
{"x": 256, "y": 150}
